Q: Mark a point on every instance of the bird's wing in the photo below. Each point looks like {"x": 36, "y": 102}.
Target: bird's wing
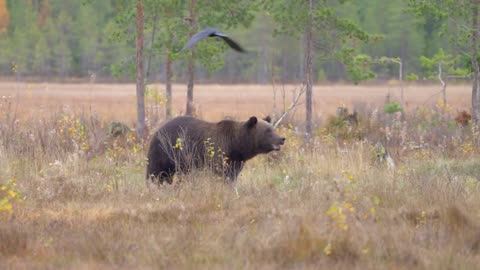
{"x": 212, "y": 32}
{"x": 199, "y": 36}
{"x": 232, "y": 43}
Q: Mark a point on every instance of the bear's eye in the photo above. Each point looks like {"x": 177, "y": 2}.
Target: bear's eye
{"x": 268, "y": 131}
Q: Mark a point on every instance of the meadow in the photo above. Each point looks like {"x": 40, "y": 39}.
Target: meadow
{"x": 73, "y": 195}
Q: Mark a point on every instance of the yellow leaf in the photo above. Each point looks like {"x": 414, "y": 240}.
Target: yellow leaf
{"x": 349, "y": 207}
{"x": 6, "y": 207}
{"x": 328, "y": 249}
{"x": 333, "y": 210}
{"x": 12, "y": 194}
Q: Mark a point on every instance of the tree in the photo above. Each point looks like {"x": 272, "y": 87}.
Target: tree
{"x": 191, "y": 59}
{"x": 476, "y": 71}
{"x": 443, "y": 67}
{"x": 218, "y": 13}
{"x": 403, "y": 35}
{"x": 86, "y": 49}
{"x": 339, "y": 36}
{"x": 85, "y": 29}
{"x": 463, "y": 17}
{"x": 309, "y": 68}
{"x": 64, "y": 51}
{"x": 41, "y": 56}
{"x": 168, "y": 32}
{"x": 163, "y": 23}
{"x": 166, "y": 18}
{"x": 399, "y": 62}
{"x": 140, "y": 73}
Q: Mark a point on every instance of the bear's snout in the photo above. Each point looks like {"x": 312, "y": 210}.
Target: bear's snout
{"x": 278, "y": 141}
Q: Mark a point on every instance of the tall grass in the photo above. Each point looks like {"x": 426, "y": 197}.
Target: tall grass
{"x": 81, "y": 201}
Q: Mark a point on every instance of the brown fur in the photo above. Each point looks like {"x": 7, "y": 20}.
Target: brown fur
{"x": 463, "y": 118}
{"x": 184, "y": 143}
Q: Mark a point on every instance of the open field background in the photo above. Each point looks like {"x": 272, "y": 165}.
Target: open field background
{"x": 214, "y": 102}
{"x": 333, "y": 204}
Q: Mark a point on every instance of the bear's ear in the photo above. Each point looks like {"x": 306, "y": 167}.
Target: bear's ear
{"x": 252, "y": 122}
{"x": 268, "y": 119}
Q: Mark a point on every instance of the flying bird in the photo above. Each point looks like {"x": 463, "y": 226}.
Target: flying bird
{"x": 212, "y": 32}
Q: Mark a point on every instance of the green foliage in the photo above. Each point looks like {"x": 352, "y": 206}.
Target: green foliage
{"x": 166, "y": 30}
{"x": 291, "y": 19}
{"x": 224, "y": 15}
{"x": 385, "y": 59}
{"x": 392, "y": 107}
{"x": 446, "y": 62}
{"x": 452, "y": 16}
{"x": 403, "y": 34}
{"x": 358, "y": 66}
{"x": 57, "y": 38}
{"x": 78, "y": 38}
{"x": 412, "y": 77}
{"x": 466, "y": 61}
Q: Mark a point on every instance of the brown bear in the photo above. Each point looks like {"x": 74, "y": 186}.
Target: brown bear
{"x": 185, "y": 142}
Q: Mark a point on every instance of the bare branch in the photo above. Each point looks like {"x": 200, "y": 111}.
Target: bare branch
{"x": 398, "y": 61}
{"x": 428, "y": 98}
{"x": 458, "y": 77}
{"x": 440, "y": 74}
{"x": 293, "y": 105}
{"x": 393, "y": 60}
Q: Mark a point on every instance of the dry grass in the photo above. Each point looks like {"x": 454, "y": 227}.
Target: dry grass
{"x": 326, "y": 206}
{"x": 214, "y": 102}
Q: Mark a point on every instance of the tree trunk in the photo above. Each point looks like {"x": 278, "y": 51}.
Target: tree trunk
{"x": 309, "y": 72}
{"x": 140, "y": 74}
{"x": 475, "y": 86}
{"x": 168, "y": 105}
{"x": 444, "y": 97}
{"x": 191, "y": 62}
{"x": 402, "y": 89}
{"x": 152, "y": 41}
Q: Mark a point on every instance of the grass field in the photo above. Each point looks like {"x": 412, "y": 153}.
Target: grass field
{"x": 214, "y": 102}
{"x": 66, "y": 202}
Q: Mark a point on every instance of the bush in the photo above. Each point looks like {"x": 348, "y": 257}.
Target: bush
{"x": 392, "y": 107}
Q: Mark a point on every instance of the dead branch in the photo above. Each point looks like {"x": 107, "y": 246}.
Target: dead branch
{"x": 440, "y": 78}
{"x": 293, "y": 105}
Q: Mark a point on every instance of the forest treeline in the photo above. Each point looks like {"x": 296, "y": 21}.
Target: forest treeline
{"x": 60, "y": 39}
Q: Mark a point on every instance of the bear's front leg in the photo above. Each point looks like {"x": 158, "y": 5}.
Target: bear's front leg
{"x": 232, "y": 170}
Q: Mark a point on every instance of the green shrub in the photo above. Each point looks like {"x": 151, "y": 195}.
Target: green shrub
{"x": 392, "y": 107}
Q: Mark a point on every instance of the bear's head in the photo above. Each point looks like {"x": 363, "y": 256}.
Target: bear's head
{"x": 263, "y": 135}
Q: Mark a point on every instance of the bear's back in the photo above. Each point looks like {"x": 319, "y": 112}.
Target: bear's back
{"x": 185, "y": 128}
{"x": 183, "y": 123}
